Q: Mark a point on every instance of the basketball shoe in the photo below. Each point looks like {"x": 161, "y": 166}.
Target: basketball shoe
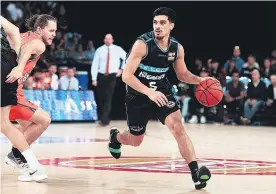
{"x": 201, "y": 177}
{"x": 114, "y": 146}
{"x": 28, "y": 174}
{"x": 11, "y": 160}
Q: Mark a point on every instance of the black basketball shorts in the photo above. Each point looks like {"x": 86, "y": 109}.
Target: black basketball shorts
{"x": 140, "y": 109}
{"x": 8, "y": 90}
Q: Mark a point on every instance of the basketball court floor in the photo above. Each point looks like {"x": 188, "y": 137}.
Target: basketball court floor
{"x": 242, "y": 160}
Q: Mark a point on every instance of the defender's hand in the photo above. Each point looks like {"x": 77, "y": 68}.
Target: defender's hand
{"x": 158, "y": 97}
{"x": 15, "y": 74}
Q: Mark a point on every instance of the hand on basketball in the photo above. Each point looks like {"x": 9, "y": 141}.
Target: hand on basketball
{"x": 15, "y": 74}
{"x": 205, "y": 78}
{"x": 158, "y": 97}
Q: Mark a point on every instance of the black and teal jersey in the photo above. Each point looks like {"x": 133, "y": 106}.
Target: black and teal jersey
{"x": 5, "y": 45}
{"x": 155, "y": 65}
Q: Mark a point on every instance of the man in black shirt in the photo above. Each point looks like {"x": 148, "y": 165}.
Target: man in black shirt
{"x": 150, "y": 93}
{"x": 256, "y": 95}
{"x": 235, "y": 92}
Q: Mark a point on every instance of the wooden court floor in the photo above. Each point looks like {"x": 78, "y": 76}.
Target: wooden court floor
{"x": 242, "y": 160}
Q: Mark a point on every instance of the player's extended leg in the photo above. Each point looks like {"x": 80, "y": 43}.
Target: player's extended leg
{"x": 186, "y": 148}
{"x": 138, "y": 110}
{"x": 18, "y": 139}
{"x": 9, "y": 130}
{"x": 32, "y": 130}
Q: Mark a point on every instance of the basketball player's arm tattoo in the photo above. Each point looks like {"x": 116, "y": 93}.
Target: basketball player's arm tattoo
{"x": 183, "y": 74}
{"x": 13, "y": 34}
{"x": 35, "y": 46}
{"x": 138, "y": 51}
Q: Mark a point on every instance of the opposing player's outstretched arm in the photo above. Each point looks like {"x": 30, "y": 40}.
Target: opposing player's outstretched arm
{"x": 138, "y": 51}
{"x": 13, "y": 33}
{"x": 34, "y": 47}
{"x": 183, "y": 74}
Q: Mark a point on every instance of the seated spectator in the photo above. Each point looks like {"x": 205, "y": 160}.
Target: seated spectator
{"x": 50, "y": 55}
{"x": 68, "y": 81}
{"x": 238, "y": 60}
{"x": 266, "y": 69}
{"x": 37, "y": 81}
{"x": 78, "y": 55}
{"x": 256, "y": 95}
{"x": 90, "y": 50}
{"x": 52, "y": 76}
{"x": 235, "y": 93}
{"x": 273, "y": 65}
{"x": 218, "y": 73}
{"x": 231, "y": 68}
{"x": 197, "y": 67}
{"x": 197, "y": 111}
{"x": 249, "y": 67}
{"x": 270, "y": 105}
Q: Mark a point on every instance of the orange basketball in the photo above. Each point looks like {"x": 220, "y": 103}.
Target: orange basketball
{"x": 209, "y": 92}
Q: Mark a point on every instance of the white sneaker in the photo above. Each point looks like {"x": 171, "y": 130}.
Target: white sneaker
{"x": 193, "y": 120}
{"x": 202, "y": 119}
{"x": 11, "y": 160}
{"x": 28, "y": 175}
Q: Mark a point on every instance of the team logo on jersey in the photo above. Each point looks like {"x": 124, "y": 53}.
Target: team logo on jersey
{"x": 170, "y": 104}
{"x": 171, "y": 56}
{"x": 151, "y": 77}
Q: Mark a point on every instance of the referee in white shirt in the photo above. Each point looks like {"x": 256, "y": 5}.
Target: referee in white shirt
{"x": 108, "y": 63}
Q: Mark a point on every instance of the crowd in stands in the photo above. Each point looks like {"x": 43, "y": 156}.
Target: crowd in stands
{"x": 249, "y": 85}
{"x": 58, "y": 64}
{"x": 249, "y": 91}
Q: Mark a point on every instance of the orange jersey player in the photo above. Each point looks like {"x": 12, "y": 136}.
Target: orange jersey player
{"x": 33, "y": 121}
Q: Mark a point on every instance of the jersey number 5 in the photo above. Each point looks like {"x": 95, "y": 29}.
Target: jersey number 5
{"x": 153, "y": 86}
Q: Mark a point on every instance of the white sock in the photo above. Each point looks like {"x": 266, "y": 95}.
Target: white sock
{"x": 31, "y": 158}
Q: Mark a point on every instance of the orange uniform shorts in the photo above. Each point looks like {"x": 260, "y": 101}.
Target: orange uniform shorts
{"x": 24, "y": 109}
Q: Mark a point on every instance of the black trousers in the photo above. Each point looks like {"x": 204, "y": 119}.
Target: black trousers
{"x": 105, "y": 90}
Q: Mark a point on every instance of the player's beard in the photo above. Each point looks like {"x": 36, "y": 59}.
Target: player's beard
{"x": 160, "y": 37}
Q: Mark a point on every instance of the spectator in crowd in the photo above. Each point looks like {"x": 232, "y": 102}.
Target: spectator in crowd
{"x": 197, "y": 68}
{"x": 234, "y": 97}
{"x": 209, "y": 64}
{"x": 273, "y": 53}
{"x": 251, "y": 61}
{"x": 271, "y": 102}
{"x": 79, "y": 55}
{"x": 256, "y": 95}
{"x": 273, "y": 65}
{"x": 65, "y": 43}
{"x": 197, "y": 111}
{"x": 266, "y": 69}
{"x": 249, "y": 67}
{"x": 58, "y": 38}
{"x": 236, "y": 56}
{"x": 231, "y": 68}
{"x": 52, "y": 76}
{"x": 38, "y": 81}
{"x": 15, "y": 11}
{"x": 218, "y": 72}
{"x": 50, "y": 55}
{"x": 68, "y": 81}
{"x": 106, "y": 66}
{"x": 90, "y": 50}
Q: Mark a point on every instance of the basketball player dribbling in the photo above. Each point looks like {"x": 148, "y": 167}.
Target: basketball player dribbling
{"x": 11, "y": 70}
{"x": 150, "y": 93}
{"x": 33, "y": 121}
